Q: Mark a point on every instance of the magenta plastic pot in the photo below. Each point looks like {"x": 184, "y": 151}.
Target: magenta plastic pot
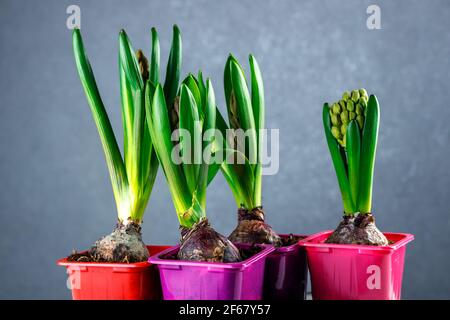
{"x": 191, "y": 280}
{"x": 356, "y": 272}
{"x": 286, "y": 273}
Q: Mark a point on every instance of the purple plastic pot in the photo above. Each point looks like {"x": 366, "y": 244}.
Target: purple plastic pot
{"x": 191, "y": 280}
{"x": 286, "y": 273}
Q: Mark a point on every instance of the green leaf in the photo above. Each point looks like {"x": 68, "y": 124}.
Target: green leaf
{"x": 173, "y": 68}
{"x": 144, "y": 195}
{"x": 208, "y": 127}
{"x": 155, "y": 58}
{"x": 148, "y": 161}
{"x": 338, "y": 162}
{"x": 113, "y": 157}
{"x": 228, "y": 89}
{"x": 258, "y": 112}
{"x": 227, "y": 85}
{"x": 132, "y": 88}
{"x": 353, "y": 147}
{"x": 154, "y": 164}
{"x": 148, "y": 186}
{"x": 126, "y": 94}
{"x": 129, "y": 62}
{"x": 131, "y": 85}
{"x": 240, "y": 178}
{"x": 190, "y": 148}
{"x": 218, "y": 147}
{"x": 136, "y": 179}
{"x": 192, "y": 84}
{"x": 244, "y": 110}
{"x": 160, "y": 132}
{"x": 257, "y": 93}
{"x": 202, "y": 89}
{"x": 368, "y": 153}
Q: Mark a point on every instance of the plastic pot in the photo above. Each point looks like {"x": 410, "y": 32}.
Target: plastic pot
{"x": 192, "y": 280}
{"x": 286, "y": 273}
{"x": 356, "y": 272}
{"x": 114, "y": 281}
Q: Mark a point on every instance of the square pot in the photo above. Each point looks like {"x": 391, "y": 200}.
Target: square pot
{"x": 356, "y": 272}
{"x": 113, "y": 281}
{"x": 286, "y": 273}
{"x": 192, "y": 280}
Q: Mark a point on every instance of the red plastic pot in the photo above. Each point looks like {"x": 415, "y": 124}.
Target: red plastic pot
{"x": 286, "y": 273}
{"x": 114, "y": 281}
{"x": 192, "y": 280}
{"x": 356, "y": 272}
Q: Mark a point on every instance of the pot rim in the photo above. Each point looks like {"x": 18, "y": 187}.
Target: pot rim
{"x": 400, "y": 240}
{"x": 292, "y": 246}
{"x": 144, "y": 264}
{"x": 156, "y": 259}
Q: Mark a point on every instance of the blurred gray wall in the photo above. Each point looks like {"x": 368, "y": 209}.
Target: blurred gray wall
{"x": 55, "y": 193}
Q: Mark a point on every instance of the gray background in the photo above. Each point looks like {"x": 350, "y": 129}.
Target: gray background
{"x": 55, "y": 193}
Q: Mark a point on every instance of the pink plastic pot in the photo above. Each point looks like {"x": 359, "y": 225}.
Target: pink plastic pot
{"x": 191, "y": 280}
{"x": 356, "y": 272}
{"x": 114, "y": 281}
{"x": 286, "y": 273}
